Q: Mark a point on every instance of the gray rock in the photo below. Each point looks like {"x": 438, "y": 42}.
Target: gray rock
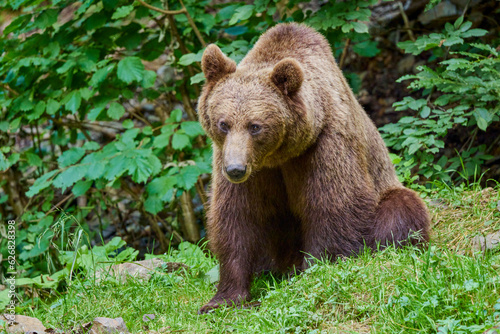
{"x": 493, "y": 330}
{"x": 438, "y": 203}
{"x": 24, "y": 324}
{"x": 483, "y": 243}
{"x": 138, "y": 269}
{"x": 441, "y": 10}
{"x": 148, "y": 317}
{"x": 405, "y": 65}
{"x": 107, "y": 325}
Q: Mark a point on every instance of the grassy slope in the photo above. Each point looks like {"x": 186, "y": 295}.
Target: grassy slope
{"x": 447, "y": 287}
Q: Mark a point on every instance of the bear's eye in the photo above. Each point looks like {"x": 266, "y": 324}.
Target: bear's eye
{"x": 223, "y": 126}
{"x": 255, "y": 129}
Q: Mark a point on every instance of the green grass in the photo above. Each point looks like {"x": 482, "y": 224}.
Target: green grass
{"x": 445, "y": 288}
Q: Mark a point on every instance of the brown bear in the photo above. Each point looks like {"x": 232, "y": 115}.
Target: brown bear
{"x": 299, "y": 169}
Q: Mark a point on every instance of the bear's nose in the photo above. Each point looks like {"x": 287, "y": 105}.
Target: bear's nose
{"x": 236, "y": 172}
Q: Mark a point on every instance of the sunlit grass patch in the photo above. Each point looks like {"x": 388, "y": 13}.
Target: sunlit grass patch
{"x": 462, "y": 213}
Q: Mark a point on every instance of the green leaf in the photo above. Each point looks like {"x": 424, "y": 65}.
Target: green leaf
{"x": 41, "y": 245}
{"x": 47, "y": 18}
{"x": 443, "y": 100}
{"x": 347, "y": 27}
{"x": 66, "y": 67}
{"x": 69, "y": 176}
{"x": 4, "y": 163}
{"x": 213, "y": 275}
{"x": 242, "y": 13}
{"x": 453, "y": 40}
{"x": 52, "y": 106}
{"x": 96, "y": 170}
{"x": 197, "y": 78}
{"x": 395, "y": 158}
{"x": 116, "y": 110}
{"x": 81, "y": 187}
{"x": 128, "y": 124}
{"x": 17, "y": 24}
{"x": 116, "y": 167}
{"x": 466, "y": 26}
{"x": 70, "y": 157}
{"x": 175, "y": 116}
{"x": 72, "y": 101}
{"x": 187, "y": 177}
{"x": 91, "y": 146}
{"x": 366, "y": 48}
{"x": 180, "y": 141}
{"x": 226, "y": 12}
{"x": 162, "y": 140}
{"x": 122, "y": 11}
{"x": 41, "y": 183}
{"x": 426, "y": 111}
{"x": 190, "y": 58}
{"x": 360, "y": 27}
{"x": 414, "y": 147}
{"x": 100, "y": 75}
{"x": 160, "y": 185}
{"x": 110, "y": 4}
{"x": 153, "y": 204}
{"x": 130, "y": 69}
{"x": 143, "y": 164}
{"x": 458, "y": 22}
{"x": 192, "y": 129}
{"x": 26, "y": 104}
{"x": 33, "y": 159}
{"x": 474, "y": 33}
{"x": 483, "y": 118}
{"x": 95, "y": 21}
{"x": 86, "y": 93}
{"x": 38, "y": 111}
{"x": 149, "y": 79}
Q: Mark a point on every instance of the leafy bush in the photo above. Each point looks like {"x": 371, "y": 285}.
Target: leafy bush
{"x": 462, "y": 90}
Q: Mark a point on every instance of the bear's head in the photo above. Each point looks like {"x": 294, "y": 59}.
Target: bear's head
{"x": 251, "y": 113}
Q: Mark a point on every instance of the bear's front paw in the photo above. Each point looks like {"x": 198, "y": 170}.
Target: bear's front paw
{"x": 218, "y": 301}
{"x": 208, "y": 307}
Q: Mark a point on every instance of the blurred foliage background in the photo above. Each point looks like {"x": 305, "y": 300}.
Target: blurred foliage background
{"x": 98, "y": 127}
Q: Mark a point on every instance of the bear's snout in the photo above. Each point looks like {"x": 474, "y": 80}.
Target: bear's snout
{"x": 236, "y": 172}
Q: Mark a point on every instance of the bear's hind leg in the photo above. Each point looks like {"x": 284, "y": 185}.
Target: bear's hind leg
{"x": 401, "y": 216}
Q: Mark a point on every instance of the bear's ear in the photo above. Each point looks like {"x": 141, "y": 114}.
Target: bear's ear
{"x": 215, "y": 64}
{"x": 287, "y": 75}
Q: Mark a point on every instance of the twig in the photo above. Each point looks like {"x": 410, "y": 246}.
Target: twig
{"x": 344, "y": 53}
{"x": 407, "y": 23}
{"x": 203, "y": 196}
{"x": 10, "y": 89}
{"x": 135, "y": 112}
{"x": 191, "y": 231}
{"x": 176, "y": 12}
{"x": 168, "y": 12}
{"x": 187, "y": 103}
{"x": 175, "y": 35}
{"x": 11, "y": 189}
{"x": 158, "y": 231}
{"x": 193, "y": 25}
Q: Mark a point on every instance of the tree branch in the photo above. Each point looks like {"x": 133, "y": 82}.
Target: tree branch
{"x": 193, "y": 25}
{"x": 407, "y": 23}
{"x": 176, "y": 12}
{"x": 168, "y": 12}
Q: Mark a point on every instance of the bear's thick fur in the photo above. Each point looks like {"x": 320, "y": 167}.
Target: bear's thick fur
{"x": 299, "y": 169}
